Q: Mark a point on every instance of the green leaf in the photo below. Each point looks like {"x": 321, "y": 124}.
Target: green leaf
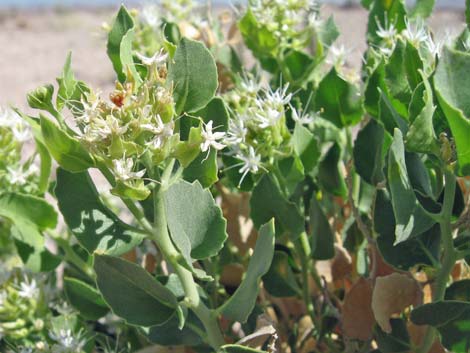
{"x": 30, "y": 215}
{"x": 35, "y": 258}
{"x": 306, "y": 147}
{"x": 322, "y": 238}
{"x": 193, "y": 75}
{"x": 86, "y": 299}
{"x": 370, "y": 149}
{"x": 242, "y": 302}
{"x": 196, "y": 224}
{"x": 267, "y": 201}
{"x": 28, "y": 209}
{"x": 467, "y": 12}
{"x": 451, "y": 318}
{"x": 395, "y": 342}
{"x": 389, "y": 116}
{"x": 45, "y": 168}
{"x": 291, "y": 173}
{"x": 422, "y": 8}
{"x": 67, "y": 83}
{"x": 66, "y": 150}
{"x": 215, "y": 110}
{"x": 421, "y": 136}
{"x": 132, "y": 293}
{"x": 402, "y": 71}
{"x": 424, "y": 249}
{"x": 169, "y": 334}
{"x": 259, "y": 39}
{"x": 385, "y": 12}
{"x": 93, "y": 224}
{"x": 203, "y": 169}
{"x": 330, "y": 176}
{"x": 328, "y": 32}
{"x": 452, "y": 88}
{"x": 280, "y": 280}
{"x": 459, "y": 290}
{"x": 411, "y": 218}
{"x": 339, "y": 100}
{"x": 119, "y": 46}
{"x": 299, "y": 65}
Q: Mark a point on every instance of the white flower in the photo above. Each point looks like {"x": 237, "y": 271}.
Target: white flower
{"x": 268, "y": 116}
{"x": 434, "y": 47}
{"x": 415, "y": 33}
{"x": 161, "y": 130}
{"x": 67, "y": 342}
{"x": 250, "y": 163}
{"x": 17, "y": 176}
{"x": 9, "y": 118}
{"x": 28, "y": 289}
{"x": 123, "y": 170}
{"x": 157, "y": 59}
{"x": 236, "y": 132}
{"x": 301, "y": 117}
{"x": 338, "y": 55}
{"x": 250, "y": 86}
{"x": 279, "y": 97}
{"x": 211, "y": 138}
{"x": 315, "y": 21}
{"x": 22, "y": 133}
{"x": 90, "y": 111}
{"x": 388, "y": 32}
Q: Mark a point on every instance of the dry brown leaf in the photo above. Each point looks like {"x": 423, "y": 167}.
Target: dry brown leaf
{"x": 341, "y": 266}
{"x": 240, "y": 228}
{"x": 391, "y": 295}
{"x": 457, "y": 271}
{"x": 417, "y": 335}
{"x": 357, "y": 316}
{"x": 379, "y": 266}
{"x": 232, "y": 275}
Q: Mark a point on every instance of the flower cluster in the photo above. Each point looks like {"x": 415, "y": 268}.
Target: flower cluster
{"x": 16, "y": 174}
{"x": 22, "y": 309}
{"x": 415, "y": 32}
{"x": 31, "y": 322}
{"x": 291, "y": 22}
{"x": 257, "y": 134}
{"x": 137, "y": 128}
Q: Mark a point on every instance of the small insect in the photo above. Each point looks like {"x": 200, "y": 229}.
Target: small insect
{"x": 117, "y": 97}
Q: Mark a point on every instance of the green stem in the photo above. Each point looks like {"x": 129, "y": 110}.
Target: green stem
{"x": 71, "y": 256}
{"x": 193, "y": 301}
{"x": 450, "y": 254}
{"x": 136, "y": 212}
{"x": 305, "y": 251}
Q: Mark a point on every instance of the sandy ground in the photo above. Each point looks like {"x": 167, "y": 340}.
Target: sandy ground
{"x": 33, "y": 45}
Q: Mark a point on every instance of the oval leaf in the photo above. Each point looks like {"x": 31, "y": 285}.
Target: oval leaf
{"x": 132, "y": 293}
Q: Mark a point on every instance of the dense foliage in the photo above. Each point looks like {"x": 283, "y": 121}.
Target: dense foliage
{"x": 243, "y": 190}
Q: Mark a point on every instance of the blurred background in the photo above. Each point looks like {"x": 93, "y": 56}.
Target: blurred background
{"x": 36, "y": 35}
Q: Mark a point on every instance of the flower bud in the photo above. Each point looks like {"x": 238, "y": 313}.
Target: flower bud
{"x": 41, "y": 98}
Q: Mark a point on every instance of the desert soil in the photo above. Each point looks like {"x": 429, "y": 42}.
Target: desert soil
{"x": 33, "y": 45}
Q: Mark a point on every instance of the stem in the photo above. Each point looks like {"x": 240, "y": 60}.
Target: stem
{"x": 162, "y": 238}
{"x": 450, "y": 254}
{"x": 303, "y": 247}
{"x": 136, "y": 212}
{"x": 71, "y": 256}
